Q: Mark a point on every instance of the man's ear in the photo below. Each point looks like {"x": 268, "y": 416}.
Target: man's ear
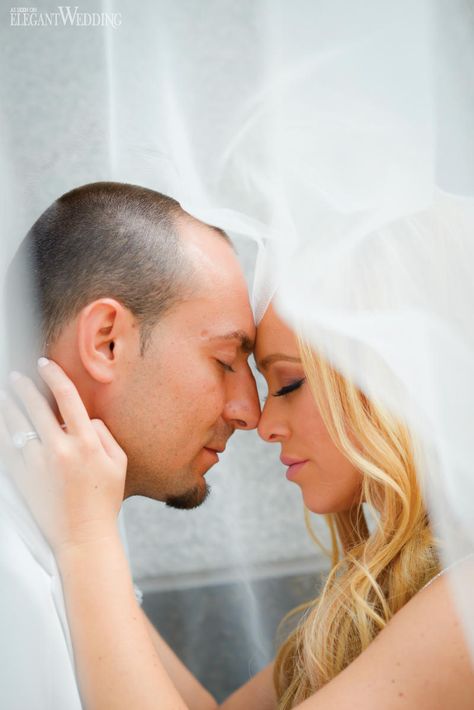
{"x": 104, "y": 329}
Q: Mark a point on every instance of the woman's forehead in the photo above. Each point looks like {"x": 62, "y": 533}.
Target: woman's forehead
{"x": 274, "y": 336}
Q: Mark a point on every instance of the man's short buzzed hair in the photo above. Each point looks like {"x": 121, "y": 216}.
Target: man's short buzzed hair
{"x": 100, "y": 240}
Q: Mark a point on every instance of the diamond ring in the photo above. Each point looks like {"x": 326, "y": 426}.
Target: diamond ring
{"x": 21, "y": 438}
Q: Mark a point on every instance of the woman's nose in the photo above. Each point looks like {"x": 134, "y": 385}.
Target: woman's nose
{"x": 271, "y": 428}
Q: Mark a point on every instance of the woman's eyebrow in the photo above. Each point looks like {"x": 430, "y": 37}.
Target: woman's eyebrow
{"x": 246, "y": 344}
{"x": 274, "y": 357}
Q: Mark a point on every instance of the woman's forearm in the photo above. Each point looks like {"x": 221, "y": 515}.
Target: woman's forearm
{"x": 193, "y": 693}
{"x": 116, "y": 662}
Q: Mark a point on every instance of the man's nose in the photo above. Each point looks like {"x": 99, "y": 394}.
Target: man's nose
{"x": 242, "y": 408}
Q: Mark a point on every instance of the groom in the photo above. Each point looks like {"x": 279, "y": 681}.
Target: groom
{"x": 146, "y": 309}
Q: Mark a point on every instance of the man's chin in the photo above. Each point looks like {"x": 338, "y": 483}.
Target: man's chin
{"x": 190, "y": 499}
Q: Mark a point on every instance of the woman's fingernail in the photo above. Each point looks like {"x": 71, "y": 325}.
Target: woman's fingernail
{"x": 14, "y": 376}
{"x": 43, "y": 361}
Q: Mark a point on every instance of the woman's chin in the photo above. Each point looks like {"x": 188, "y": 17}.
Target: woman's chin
{"x": 323, "y": 504}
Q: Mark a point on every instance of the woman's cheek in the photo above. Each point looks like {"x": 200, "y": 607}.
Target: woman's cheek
{"x": 306, "y": 408}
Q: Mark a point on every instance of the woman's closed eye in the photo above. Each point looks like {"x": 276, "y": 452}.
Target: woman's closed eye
{"x": 289, "y": 388}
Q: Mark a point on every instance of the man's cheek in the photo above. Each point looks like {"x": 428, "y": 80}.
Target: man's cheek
{"x": 214, "y": 396}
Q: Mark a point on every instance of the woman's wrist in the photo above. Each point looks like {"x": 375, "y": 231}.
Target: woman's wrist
{"x": 89, "y": 542}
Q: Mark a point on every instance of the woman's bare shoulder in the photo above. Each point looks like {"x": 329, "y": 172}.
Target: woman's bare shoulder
{"x": 419, "y": 661}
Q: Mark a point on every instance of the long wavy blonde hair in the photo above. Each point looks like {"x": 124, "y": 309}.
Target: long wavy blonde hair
{"x": 374, "y": 573}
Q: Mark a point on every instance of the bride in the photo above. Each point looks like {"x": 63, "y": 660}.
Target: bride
{"x": 383, "y": 633}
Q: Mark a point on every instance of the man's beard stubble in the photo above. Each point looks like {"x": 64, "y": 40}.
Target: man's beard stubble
{"x": 193, "y": 498}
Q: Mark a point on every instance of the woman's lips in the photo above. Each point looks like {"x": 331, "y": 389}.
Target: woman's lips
{"x": 294, "y": 466}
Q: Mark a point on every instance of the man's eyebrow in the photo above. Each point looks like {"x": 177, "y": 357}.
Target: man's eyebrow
{"x": 246, "y": 343}
{"x": 270, "y": 359}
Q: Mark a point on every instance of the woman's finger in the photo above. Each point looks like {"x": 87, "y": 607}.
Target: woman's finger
{"x": 37, "y": 407}
{"x": 17, "y": 422}
{"x": 67, "y": 397}
{"x": 112, "y": 448}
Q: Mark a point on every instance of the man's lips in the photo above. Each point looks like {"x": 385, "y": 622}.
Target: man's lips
{"x": 215, "y": 449}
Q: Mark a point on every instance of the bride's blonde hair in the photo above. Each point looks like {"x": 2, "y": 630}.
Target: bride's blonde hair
{"x": 373, "y": 573}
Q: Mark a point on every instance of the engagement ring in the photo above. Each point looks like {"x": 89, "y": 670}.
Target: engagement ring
{"x": 21, "y": 438}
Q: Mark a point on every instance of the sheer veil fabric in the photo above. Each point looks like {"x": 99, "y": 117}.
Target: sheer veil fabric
{"x": 339, "y": 137}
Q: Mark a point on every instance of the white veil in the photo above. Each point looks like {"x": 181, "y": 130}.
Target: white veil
{"x": 339, "y": 136}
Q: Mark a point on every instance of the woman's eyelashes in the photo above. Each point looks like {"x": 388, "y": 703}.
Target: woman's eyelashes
{"x": 289, "y": 388}
{"x": 226, "y": 366}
